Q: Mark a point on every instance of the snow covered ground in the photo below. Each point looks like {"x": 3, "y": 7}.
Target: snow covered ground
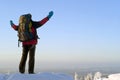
{"x": 56, "y": 76}
{"x": 97, "y": 76}
{"x": 38, "y": 76}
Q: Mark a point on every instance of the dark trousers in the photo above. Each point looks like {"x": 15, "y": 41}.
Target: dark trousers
{"x": 27, "y": 49}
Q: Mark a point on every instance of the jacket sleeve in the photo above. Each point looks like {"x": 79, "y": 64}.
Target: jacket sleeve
{"x": 15, "y": 27}
{"x": 40, "y": 23}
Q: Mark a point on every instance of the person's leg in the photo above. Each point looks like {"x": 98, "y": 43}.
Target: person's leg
{"x": 23, "y": 59}
{"x": 31, "y": 59}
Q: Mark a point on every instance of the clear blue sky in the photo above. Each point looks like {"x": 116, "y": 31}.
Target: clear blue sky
{"x": 80, "y": 31}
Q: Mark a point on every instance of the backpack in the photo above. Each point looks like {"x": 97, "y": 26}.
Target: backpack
{"x": 25, "y": 28}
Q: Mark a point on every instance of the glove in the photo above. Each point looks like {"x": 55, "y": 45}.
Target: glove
{"x": 11, "y": 23}
{"x": 50, "y": 14}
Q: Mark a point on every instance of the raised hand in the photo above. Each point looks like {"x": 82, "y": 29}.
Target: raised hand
{"x": 50, "y": 14}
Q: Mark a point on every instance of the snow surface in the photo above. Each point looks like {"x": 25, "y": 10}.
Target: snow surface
{"x": 112, "y": 77}
{"x": 38, "y": 76}
{"x": 51, "y": 76}
{"x": 97, "y": 76}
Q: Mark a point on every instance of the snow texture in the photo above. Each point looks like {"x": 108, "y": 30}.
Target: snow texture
{"x": 38, "y": 76}
{"x": 97, "y": 76}
{"x": 114, "y": 77}
{"x": 56, "y": 76}
{"x": 2, "y": 77}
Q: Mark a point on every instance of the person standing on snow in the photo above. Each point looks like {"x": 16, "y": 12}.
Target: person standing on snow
{"x": 30, "y": 45}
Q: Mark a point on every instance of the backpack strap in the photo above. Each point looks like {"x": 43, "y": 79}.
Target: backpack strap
{"x": 18, "y": 43}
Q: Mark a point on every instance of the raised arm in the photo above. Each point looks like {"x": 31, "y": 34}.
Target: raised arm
{"x": 43, "y": 21}
{"x": 15, "y": 27}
